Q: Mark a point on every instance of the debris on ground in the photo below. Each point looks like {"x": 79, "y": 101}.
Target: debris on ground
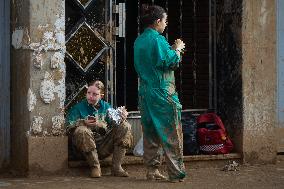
{"x": 232, "y": 166}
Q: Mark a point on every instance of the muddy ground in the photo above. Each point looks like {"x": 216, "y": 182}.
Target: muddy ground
{"x": 247, "y": 176}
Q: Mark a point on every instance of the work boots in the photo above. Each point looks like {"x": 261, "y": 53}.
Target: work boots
{"x": 118, "y": 155}
{"x": 154, "y": 174}
{"x": 93, "y": 161}
{"x": 96, "y": 172}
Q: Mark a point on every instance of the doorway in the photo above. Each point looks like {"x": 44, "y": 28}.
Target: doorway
{"x": 195, "y": 80}
{"x": 112, "y": 60}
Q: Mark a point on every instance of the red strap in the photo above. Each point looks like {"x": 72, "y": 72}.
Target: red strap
{"x": 211, "y": 118}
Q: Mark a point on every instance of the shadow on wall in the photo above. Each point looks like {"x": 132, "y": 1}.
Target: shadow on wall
{"x": 229, "y": 64}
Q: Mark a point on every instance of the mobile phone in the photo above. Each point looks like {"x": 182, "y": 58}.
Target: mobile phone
{"x": 91, "y": 117}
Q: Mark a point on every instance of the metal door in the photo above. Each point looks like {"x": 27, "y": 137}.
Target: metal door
{"x": 280, "y": 74}
{"x": 89, "y": 52}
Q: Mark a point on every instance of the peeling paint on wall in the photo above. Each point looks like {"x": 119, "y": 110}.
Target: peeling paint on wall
{"x": 56, "y": 59}
{"x": 31, "y": 100}
{"x": 58, "y": 125}
{"x": 17, "y": 38}
{"x": 60, "y": 88}
{"x": 36, "y": 127}
{"x": 263, "y": 13}
{"x": 51, "y": 40}
{"x": 48, "y": 39}
{"x": 59, "y": 30}
{"x": 20, "y": 37}
{"x": 48, "y": 43}
{"x": 47, "y": 88}
{"x": 37, "y": 60}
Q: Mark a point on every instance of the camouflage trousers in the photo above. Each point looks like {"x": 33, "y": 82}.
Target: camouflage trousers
{"x": 86, "y": 140}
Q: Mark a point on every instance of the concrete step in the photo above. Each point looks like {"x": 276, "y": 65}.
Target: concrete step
{"x": 133, "y": 164}
{"x": 194, "y": 161}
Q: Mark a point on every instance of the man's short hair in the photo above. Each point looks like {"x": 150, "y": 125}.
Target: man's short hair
{"x": 99, "y": 85}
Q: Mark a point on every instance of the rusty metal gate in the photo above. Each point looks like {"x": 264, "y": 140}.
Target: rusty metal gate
{"x": 4, "y": 82}
{"x": 89, "y": 47}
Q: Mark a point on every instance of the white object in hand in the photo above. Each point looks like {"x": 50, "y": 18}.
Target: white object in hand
{"x": 116, "y": 114}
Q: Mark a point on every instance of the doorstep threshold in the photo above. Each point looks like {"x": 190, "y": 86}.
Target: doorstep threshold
{"x": 212, "y": 157}
{"x": 134, "y": 160}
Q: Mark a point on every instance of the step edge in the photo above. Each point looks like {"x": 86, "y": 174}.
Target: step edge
{"x": 133, "y": 160}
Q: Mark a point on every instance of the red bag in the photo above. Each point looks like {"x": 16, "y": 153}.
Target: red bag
{"x": 212, "y": 135}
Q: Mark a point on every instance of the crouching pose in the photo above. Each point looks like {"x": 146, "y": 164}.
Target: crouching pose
{"x": 94, "y": 133}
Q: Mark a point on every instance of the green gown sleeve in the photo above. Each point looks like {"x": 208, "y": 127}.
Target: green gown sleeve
{"x": 167, "y": 58}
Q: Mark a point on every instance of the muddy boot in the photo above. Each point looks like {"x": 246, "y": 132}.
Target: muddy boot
{"x": 93, "y": 161}
{"x": 154, "y": 174}
{"x": 118, "y": 155}
{"x": 96, "y": 172}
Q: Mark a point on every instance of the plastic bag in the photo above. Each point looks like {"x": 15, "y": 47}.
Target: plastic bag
{"x": 138, "y": 149}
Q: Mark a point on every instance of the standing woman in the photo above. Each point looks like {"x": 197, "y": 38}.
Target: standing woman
{"x": 155, "y": 61}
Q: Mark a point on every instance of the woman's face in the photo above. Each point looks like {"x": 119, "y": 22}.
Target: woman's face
{"x": 162, "y": 23}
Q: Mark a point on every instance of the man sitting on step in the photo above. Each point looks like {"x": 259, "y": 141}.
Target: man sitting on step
{"x": 95, "y": 135}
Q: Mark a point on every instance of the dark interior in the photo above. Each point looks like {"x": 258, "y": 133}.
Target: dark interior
{"x": 188, "y": 20}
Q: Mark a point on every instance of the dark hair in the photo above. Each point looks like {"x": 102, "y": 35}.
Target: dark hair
{"x": 149, "y": 14}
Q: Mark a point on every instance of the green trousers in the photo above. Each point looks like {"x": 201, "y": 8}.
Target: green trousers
{"x": 161, "y": 121}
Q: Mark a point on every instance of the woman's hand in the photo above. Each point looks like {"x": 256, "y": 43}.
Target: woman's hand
{"x": 124, "y": 113}
{"x": 178, "y": 45}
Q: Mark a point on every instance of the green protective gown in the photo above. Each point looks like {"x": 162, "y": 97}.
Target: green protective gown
{"x": 155, "y": 62}
{"x": 83, "y": 109}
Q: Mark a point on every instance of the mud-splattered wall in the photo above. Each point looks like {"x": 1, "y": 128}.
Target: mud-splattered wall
{"x": 259, "y": 80}
{"x": 229, "y": 67}
{"x": 38, "y": 81}
{"x": 246, "y": 75}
